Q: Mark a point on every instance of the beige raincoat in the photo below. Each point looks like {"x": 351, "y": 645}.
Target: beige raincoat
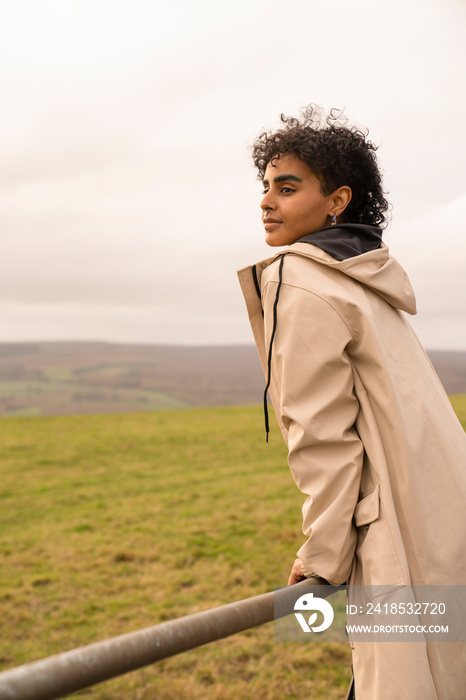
{"x": 373, "y": 443}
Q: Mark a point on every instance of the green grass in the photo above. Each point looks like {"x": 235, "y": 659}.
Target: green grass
{"x": 113, "y": 523}
{"x": 458, "y": 401}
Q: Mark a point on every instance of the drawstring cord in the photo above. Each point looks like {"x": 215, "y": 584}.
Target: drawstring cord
{"x": 269, "y": 359}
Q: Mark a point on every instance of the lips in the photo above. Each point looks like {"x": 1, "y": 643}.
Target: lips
{"x": 270, "y": 224}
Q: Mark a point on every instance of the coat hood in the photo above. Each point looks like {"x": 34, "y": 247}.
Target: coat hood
{"x": 375, "y": 269}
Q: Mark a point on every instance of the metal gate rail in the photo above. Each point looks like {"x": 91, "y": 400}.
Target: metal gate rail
{"x": 74, "y": 670}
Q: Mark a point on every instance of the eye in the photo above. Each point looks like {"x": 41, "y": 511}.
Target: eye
{"x": 287, "y": 190}
{"x": 264, "y": 191}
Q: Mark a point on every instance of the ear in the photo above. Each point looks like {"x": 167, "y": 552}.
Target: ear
{"x": 339, "y": 199}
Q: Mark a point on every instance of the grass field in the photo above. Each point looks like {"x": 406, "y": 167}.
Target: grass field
{"x": 116, "y": 522}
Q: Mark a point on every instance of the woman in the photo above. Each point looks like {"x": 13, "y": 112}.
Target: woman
{"x": 373, "y": 441}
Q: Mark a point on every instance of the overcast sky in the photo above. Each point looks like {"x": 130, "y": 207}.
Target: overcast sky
{"x": 127, "y": 196}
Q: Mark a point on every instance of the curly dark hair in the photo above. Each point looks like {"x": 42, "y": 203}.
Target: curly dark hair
{"x": 336, "y": 153}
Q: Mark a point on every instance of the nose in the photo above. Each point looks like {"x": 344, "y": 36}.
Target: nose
{"x": 267, "y": 202}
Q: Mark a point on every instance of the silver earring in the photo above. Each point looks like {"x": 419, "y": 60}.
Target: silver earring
{"x": 334, "y": 220}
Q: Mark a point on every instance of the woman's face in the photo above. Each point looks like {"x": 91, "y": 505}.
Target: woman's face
{"x": 293, "y": 204}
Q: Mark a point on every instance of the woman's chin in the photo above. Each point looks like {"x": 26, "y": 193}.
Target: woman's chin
{"x": 274, "y": 240}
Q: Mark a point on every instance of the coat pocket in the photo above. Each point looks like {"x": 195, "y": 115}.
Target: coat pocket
{"x": 376, "y": 561}
{"x": 368, "y": 508}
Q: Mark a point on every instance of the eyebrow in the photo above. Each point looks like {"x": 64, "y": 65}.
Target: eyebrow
{"x": 284, "y": 178}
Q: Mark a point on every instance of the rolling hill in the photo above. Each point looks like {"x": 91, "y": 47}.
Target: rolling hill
{"x": 52, "y": 378}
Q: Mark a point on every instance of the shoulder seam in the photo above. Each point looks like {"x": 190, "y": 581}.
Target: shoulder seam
{"x": 318, "y": 296}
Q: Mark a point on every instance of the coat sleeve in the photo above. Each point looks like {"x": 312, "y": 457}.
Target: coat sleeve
{"x": 313, "y": 380}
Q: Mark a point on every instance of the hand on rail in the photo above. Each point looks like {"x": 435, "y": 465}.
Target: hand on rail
{"x": 296, "y": 573}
